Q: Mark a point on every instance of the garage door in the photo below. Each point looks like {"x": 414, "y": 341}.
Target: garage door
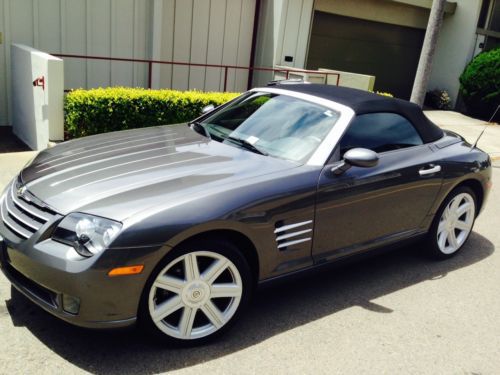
{"x": 388, "y": 52}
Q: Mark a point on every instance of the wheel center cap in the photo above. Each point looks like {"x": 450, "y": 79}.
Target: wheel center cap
{"x": 196, "y": 293}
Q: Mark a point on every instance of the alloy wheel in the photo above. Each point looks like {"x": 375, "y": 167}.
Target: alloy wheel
{"x": 456, "y": 223}
{"x": 195, "y": 295}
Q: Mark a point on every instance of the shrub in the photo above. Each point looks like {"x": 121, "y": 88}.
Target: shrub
{"x": 117, "y": 108}
{"x": 438, "y": 99}
{"x": 388, "y": 94}
{"x": 384, "y": 94}
{"x": 480, "y": 84}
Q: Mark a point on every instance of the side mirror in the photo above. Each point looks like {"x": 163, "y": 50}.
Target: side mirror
{"x": 361, "y": 157}
{"x": 207, "y": 108}
{"x": 358, "y": 157}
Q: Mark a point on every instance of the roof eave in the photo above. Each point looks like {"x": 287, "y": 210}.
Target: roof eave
{"x": 449, "y": 7}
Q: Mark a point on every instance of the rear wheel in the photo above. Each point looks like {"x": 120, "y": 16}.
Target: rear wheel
{"x": 453, "y": 223}
{"x": 197, "y": 292}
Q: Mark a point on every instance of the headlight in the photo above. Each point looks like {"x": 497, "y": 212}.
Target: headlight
{"x": 88, "y": 234}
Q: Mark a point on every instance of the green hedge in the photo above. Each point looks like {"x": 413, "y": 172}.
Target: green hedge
{"x": 480, "y": 84}
{"x": 117, "y": 108}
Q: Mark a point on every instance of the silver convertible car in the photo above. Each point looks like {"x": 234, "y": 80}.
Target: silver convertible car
{"x": 173, "y": 227}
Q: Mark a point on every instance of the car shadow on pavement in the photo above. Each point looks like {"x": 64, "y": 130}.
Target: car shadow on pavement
{"x": 275, "y": 310}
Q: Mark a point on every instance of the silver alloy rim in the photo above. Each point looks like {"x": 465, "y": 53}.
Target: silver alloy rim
{"x": 456, "y": 223}
{"x": 199, "y": 302}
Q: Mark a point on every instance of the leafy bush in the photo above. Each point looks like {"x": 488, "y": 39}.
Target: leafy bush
{"x": 117, "y": 108}
{"x": 480, "y": 84}
{"x": 438, "y": 99}
{"x": 384, "y": 94}
{"x": 103, "y": 110}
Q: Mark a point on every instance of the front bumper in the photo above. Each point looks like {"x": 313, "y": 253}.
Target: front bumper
{"x": 46, "y": 270}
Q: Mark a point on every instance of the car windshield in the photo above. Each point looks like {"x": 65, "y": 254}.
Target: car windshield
{"x": 276, "y": 125}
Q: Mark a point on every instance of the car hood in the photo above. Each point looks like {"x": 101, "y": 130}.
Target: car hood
{"x": 117, "y": 174}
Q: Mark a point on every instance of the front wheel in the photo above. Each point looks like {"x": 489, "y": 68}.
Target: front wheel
{"x": 453, "y": 223}
{"x": 196, "y": 292}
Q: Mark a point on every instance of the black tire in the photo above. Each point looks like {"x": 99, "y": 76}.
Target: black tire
{"x": 223, "y": 248}
{"x": 433, "y": 248}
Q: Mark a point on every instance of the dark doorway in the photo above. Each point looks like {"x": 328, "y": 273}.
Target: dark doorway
{"x": 388, "y": 52}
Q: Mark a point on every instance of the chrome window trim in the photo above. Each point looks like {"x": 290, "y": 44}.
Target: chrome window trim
{"x": 325, "y": 148}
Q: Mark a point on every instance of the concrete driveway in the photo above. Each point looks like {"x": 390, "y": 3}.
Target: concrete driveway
{"x": 470, "y": 129}
{"x": 396, "y": 313}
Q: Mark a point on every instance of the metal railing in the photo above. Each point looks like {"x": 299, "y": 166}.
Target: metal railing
{"x": 225, "y": 68}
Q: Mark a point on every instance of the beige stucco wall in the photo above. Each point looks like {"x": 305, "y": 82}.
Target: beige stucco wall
{"x": 348, "y": 79}
{"x": 376, "y": 10}
{"x": 455, "y": 47}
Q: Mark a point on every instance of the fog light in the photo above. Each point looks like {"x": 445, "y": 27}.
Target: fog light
{"x": 71, "y": 304}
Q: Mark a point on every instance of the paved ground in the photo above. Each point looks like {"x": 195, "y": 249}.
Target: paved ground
{"x": 397, "y": 313}
{"x": 470, "y": 129}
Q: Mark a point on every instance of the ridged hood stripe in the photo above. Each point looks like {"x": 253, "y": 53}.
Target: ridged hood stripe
{"x": 139, "y": 170}
{"x": 107, "y": 152}
{"x": 100, "y": 146}
{"x": 116, "y": 166}
{"x": 69, "y": 169}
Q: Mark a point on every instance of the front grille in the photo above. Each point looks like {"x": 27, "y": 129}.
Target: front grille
{"x": 21, "y": 215}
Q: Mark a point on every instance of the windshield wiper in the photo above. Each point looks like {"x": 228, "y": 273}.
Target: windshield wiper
{"x": 249, "y": 146}
{"x": 200, "y": 129}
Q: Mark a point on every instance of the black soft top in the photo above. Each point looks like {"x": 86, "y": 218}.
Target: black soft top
{"x": 363, "y": 102}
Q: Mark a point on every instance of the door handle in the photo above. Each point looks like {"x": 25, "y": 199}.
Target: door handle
{"x": 433, "y": 169}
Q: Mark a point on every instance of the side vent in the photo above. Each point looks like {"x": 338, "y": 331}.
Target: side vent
{"x": 292, "y": 234}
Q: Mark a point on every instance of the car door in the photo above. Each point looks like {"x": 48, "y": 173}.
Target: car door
{"x": 364, "y": 207}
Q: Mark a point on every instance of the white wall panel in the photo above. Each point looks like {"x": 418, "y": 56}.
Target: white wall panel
{"x": 142, "y": 40}
{"x": 74, "y": 41}
{"x": 215, "y": 32}
{"x": 244, "y": 43}
{"x": 199, "y": 43}
{"x": 196, "y": 31}
{"x": 284, "y": 29}
{"x": 48, "y": 34}
{"x": 280, "y": 19}
{"x": 98, "y": 42}
{"x": 304, "y": 33}
{"x": 231, "y": 38}
{"x": 122, "y": 37}
{"x": 294, "y": 32}
{"x": 182, "y": 43}
{"x": 21, "y": 25}
{"x": 167, "y": 42}
{"x": 215, "y": 44}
